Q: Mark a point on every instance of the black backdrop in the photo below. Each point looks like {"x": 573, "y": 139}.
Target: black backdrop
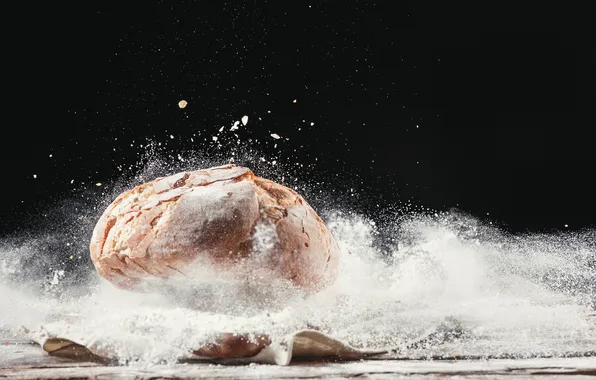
{"x": 486, "y": 109}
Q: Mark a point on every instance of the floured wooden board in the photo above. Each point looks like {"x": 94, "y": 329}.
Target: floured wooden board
{"x": 26, "y": 360}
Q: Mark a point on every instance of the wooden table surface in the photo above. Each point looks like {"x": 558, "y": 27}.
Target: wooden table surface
{"x": 26, "y": 360}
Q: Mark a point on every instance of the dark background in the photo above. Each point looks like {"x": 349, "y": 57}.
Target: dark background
{"x": 486, "y": 108}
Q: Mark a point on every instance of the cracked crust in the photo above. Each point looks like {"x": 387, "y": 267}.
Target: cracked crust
{"x": 209, "y": 217}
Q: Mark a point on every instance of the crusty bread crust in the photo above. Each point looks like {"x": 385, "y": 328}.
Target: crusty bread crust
{"x": 174, "y": 225}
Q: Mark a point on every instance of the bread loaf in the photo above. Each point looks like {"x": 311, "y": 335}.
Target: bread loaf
{"x": 218, "y": 223}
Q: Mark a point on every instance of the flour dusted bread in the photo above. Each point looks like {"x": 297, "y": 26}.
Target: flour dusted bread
{"x": 224, "y": 221}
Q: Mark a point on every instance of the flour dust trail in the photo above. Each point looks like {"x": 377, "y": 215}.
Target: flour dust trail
{"x": 482, "y": 292}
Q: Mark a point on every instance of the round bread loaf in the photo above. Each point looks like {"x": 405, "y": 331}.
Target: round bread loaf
{"x": 222, "y": 223}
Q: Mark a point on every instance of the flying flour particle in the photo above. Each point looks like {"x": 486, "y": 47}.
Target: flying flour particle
{"x": 275, "y": 136}
{"x": 182, "y": 104}
{"x": 244, "y": 120}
